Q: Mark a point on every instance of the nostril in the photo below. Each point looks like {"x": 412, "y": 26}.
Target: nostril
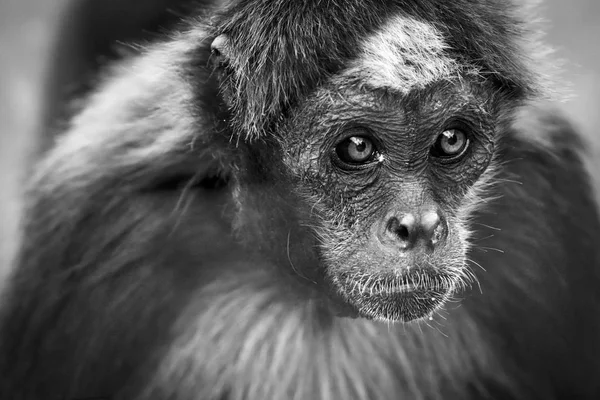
{"x": 440, "y": 231}
{"x": 401, "y": 229}
{"x": 402, "y": 232}
{"x": 406, "y": 230}
{"x": 438, "y": 234}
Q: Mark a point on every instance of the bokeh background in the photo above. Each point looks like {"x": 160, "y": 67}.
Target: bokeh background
{"x": 26, "y": 33}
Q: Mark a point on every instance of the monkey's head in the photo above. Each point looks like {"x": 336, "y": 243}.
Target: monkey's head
{"x": 386, "y": 125}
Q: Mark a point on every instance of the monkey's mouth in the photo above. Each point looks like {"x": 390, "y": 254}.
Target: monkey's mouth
{"x": 389, "y": 297}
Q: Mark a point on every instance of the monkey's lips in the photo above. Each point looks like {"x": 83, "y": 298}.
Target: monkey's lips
{"x": 396, "y": 298}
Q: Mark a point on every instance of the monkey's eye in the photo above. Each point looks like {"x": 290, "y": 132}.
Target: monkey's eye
{"x": 451, "y": 144}
{"x": 356, "y": 150}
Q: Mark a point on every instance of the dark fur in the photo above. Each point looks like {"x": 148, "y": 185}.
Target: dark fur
{"x": 489, "y": 35}
{"x": 163, "y": 255}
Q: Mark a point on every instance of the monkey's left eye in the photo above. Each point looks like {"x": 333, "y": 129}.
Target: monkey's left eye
{"x": 356, "y": 150}
{"x": 451, "y": 144}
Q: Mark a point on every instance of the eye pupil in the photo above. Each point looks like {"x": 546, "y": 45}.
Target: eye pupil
{"x": 452, "y": 140}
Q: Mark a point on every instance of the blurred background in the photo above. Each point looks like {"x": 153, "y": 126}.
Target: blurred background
{"x": 27, "y": 29}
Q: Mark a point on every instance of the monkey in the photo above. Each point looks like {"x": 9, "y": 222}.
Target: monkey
{"x": 313, "y": 200}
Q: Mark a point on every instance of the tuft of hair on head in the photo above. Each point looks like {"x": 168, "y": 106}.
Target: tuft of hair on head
{"x": 280, "y": 50}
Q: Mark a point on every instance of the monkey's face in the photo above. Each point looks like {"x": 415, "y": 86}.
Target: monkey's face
{"x": 390, "y": 180}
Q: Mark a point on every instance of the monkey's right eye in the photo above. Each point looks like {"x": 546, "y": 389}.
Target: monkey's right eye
{"x": 356, "y": 150}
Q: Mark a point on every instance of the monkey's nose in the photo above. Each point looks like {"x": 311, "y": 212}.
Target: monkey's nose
{"x": 411, "y": 229}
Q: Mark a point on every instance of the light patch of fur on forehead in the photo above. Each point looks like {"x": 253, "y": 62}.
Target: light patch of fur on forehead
{"x": 403, "y": 55}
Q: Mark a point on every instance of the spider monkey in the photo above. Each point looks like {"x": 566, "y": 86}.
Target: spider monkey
{"x": 357, "y": 199}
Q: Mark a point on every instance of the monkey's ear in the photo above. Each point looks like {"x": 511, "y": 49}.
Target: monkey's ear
{"x": 220, "y": 52}
{"x": 220, "y": 46}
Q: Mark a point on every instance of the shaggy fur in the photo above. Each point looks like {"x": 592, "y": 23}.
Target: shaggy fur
{"x": 403, "y": 55}
{"x": 485, "y": 34}
{"x": 174, "y": 248}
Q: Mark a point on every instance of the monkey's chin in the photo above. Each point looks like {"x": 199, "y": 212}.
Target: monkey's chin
{"x": 396, "y": 299}
{"x": 404, "y": 306}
